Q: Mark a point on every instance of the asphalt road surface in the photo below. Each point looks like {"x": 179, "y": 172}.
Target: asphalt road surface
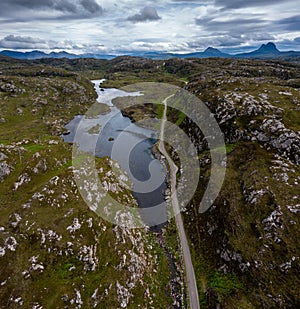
{"x": 190, "y": 274}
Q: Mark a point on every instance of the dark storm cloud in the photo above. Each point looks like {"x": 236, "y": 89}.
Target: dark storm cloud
{"x": 194, "y": 1}
{"x": 235, "y": 25}
{"x": 31, "y": 4}
{"x": 27, "y": 42}
{"x": 186, "y": 25}
{"x": 147, "y": 14}
{"x": 237, "y": 4}
{"x": 67, "y": 8}
{"x": 21, "y": 42}
{"x": 91, "y": 6}
{"x": 291, "y": 23}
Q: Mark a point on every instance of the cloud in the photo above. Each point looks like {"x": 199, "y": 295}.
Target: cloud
{"x": 237, "y": 4}
{"x": 65, "y": 6}
{"x": 116, "y": 25}
{"x": 32, "y": 9}
{"x": 236, "y": 25}
{"x": 216, "y": 41}
{"x": 146, "y": 14}
{"x": 287, "y": 44}
{"x": 17, "y": 42}
{"x": 28, "y": 42}
{"x": 91, "y": 6}
{"x": 22, "y": 42}
{"x": 291, "y": 23}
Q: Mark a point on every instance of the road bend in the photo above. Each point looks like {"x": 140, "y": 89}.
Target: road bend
{"x": 190, "y": 274}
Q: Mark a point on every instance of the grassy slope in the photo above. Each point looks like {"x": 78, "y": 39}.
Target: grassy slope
{"x": 38, "y": 213}
{"x": 241, "y": 260}
{"x": 249, "y": 241}
{"x": 244, "y": 254}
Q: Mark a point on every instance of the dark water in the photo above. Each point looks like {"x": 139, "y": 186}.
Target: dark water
{"x": 131, "y": 146}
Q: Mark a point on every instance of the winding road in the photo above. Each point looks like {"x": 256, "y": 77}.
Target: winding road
{"x": 190, "y": 274}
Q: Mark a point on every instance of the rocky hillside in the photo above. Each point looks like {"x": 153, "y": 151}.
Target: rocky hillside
{"x": 54, "y": 251}
{"x": 246, "y": 247}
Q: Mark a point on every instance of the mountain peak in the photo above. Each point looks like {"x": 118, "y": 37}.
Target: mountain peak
{"x": 269, "y": 48}
{"x": 212, "y": 51}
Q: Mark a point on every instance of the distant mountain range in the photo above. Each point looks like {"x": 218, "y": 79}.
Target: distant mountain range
{"x": 36, "y": 54}
{"x": 266, "y": 51}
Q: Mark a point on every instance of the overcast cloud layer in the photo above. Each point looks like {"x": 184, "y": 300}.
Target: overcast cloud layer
{"x": 123, "y": 26}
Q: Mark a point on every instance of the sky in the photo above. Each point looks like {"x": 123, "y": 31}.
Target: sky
{"x": 125, "y": 26}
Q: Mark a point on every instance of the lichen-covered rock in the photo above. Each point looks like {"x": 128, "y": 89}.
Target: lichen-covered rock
{"x": 5, "y": 170}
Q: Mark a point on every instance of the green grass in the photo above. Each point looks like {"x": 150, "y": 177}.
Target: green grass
{"x": 159, "y": 110}
{"x": 230, "y": 148}
{"x": 239, "y": 224}
{"x": 291, "y": 119}
{"x": 184, "y": 79}
{"x": 67, "y": 95}
{"x": 180, "y": 118}
{"x": 224, "y": 285}
{"x": 35, "y": 147}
